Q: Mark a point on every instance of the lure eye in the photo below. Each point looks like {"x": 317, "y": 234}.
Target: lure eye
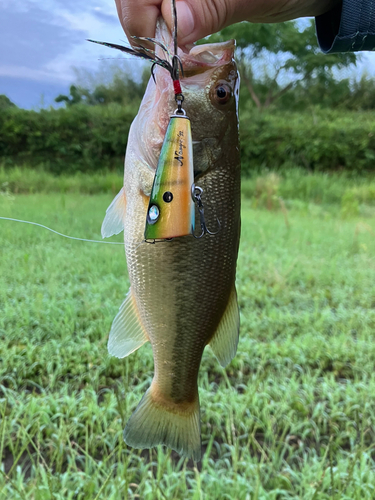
{"x": 222, "y": 93}
{"x": 153, "y": 214}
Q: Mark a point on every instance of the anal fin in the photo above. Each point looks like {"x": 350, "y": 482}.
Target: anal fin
{"x": 113, "y": 222}
{"x": 225, "y": 340}
{"x": 127, "y": 333}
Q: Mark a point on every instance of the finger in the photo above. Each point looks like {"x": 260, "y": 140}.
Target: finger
{"x": 197, "y": 18}
{"x": 119, "y": 12}
{"x": 138, "y": 18}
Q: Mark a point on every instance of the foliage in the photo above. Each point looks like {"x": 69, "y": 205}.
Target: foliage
{"x": 25, "y": 180}
{"x": 122, "y": 89}
{"x": 318, "y": 188}
{"x": 93, "y": 138}
{"x": 5, "y": 102}
{"x": 290, "y": 53}
{"x": 320, "y": 140}
{"x": 76, "y": 96}
{"x": 357, "y": 95}
{"x": 362, "y": 95}
{"x": 349, "y": 204}
{"x": 83, "y": 138}
{"x": 264, "y": 188}
{"x": 291, "y": 417}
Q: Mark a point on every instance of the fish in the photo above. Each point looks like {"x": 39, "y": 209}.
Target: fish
{"x": 182, "y": 294}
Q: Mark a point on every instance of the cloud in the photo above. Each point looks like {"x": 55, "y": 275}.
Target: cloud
{"x": 32, "y": 38}
{"x": 41, "y": 41}
{"x": 26, "y": 73}
{"x": 104, "y": 16}
{"x": 78, "y": 5}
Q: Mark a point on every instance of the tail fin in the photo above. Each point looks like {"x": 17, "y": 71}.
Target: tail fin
{"x": 153, "y": 423}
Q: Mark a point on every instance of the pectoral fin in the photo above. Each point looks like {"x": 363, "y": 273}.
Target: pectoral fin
{"x": 114, "y": 218}
{"x": 224, "y": 342}
{"x": 127, "y": 333}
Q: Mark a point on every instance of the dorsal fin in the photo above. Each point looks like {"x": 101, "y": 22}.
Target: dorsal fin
{"x": 113, "y": 222}
{"x": 225, "y": 340}
{"x": 127, "y": 333}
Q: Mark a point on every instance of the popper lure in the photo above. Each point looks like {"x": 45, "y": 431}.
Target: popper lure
{"x": 171, "y": 208}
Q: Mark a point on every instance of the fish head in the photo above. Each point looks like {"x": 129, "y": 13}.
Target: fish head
{"x": 211, "y": 89}
{"x": 210, "y": 86}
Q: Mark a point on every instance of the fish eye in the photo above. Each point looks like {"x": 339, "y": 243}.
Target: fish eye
{"x": 222, "y": 93}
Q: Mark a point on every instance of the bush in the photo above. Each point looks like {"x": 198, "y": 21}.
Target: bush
{"x": 323, "y": 141}
{"x": 92, "y": 138}
{"x": 5, "y": 102}
{"x": 80, "y": 138}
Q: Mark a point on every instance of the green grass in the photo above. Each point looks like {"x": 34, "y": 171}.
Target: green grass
{"x": 27, "y": 180}
{"x": 292, "y": 417}
{"x": 263, "y": 187}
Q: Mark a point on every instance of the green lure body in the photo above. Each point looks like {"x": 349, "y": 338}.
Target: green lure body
{"x": 171, "y": 208}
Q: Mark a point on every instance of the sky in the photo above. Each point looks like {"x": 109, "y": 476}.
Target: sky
{"x": 42, "y": 41}
{"x": 43, "y": 44}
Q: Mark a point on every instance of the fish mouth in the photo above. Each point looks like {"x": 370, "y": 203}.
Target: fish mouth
{"x": 201, "y": 58}
{"x": 213, "y": 53}
{"x": 195, "y": 58}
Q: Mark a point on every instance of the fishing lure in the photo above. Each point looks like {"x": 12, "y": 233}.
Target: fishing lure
{"x": 171, "y": 208}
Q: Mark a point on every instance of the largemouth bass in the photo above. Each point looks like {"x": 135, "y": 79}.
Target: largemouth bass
{"x": 182, "y": 293}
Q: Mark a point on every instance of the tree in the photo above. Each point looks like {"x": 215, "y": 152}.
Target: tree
{"x": 288, "y": 53}
{"x": 362, "y": 96}
{"x": 118, "y": 87}
{"x": 78, "y": 95}
{"x": 6, "y": 103}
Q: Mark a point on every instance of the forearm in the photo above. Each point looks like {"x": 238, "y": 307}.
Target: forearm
{"x": 348, "y": 27}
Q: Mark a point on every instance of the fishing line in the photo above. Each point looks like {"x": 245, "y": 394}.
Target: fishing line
{"x": 61, "y": 234}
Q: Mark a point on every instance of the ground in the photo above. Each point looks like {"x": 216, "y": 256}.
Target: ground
{"x": 292, "y": 417}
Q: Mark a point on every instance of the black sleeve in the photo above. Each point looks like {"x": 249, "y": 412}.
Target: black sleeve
{"x": 348, "y": 27}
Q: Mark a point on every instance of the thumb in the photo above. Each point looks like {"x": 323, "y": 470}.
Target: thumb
{"x": 197, "y": 18}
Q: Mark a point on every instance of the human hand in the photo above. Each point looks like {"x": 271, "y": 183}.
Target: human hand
{"x": 199, "y": 18}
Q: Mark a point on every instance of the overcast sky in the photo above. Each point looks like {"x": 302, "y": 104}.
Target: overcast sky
{"x": 42, "y": 41}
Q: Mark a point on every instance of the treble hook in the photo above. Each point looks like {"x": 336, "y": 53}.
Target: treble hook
{"x": 196, "y": 193}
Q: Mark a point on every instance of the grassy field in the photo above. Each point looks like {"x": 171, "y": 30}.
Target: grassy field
{"x": 263, "y": 187}
{"x": 292, "y": 417}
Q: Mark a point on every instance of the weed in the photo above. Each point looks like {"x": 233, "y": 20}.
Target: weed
{"x": 291, "y": 417}
{"x": 349, "y": 205}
